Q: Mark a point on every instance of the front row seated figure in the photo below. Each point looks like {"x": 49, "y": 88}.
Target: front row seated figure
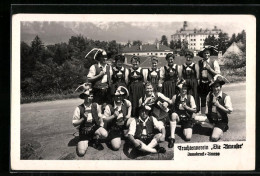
{"x": 184, "y": 107}
{"x": 145, "y": 132}
{"x": 88, "y": 122}
{"x": 118, "y": 117}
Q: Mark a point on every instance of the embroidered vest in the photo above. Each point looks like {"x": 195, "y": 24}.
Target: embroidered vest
{"x": 219, "y": 113}
{"x": 171, "y": 73}
{"x": 140, "y": 127}
{"x": 97, "y": 83}
{"x": 206, "y": 75}
{"x": 135, "y": 76}
{"x": 94, "y": 113}
{"x": 188, "y": 71}
{"x": 177, "y": 104}
{"x": 123, "y": 110}
{"x": 153, "y": 76}
{"x": 118, "y": 75}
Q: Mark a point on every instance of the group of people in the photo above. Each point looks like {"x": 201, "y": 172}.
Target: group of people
{"x": 140, "y": 104}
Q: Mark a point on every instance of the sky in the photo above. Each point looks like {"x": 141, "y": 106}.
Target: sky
{"x": 122, "y": 28}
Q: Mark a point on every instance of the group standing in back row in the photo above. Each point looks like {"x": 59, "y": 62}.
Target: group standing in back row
{"x": 169, "y": 94}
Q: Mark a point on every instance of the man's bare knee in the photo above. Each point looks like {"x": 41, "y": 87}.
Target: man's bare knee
{"x": 174, "y": 117}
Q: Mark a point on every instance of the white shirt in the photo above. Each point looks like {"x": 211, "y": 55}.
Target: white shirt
{"x": 227, "y": 101}
{"x": 92, "y": 72}
{"x": 192, "y": 101}
{"x": 107, "y": 111}
{"x": 215, "y": 64}
{"x": 132, "y": 127}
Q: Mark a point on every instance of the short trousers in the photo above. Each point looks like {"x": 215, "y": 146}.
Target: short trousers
{"x": 89, "y": 135}
{"x": 222, "y": 124}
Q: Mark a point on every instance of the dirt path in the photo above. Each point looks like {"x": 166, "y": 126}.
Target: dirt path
{"x": 47, "y": 132}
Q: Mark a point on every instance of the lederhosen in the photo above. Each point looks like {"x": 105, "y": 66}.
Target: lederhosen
{"x": 170, "y": 80}
{"x": 156, "y": 111}
{"x": 117, "y": 79}
{"x": 116, "y": 126}
{"x": 184, "y": 115}
{"x": 100, "y": 90}
{"x": 136, "y": 88}
{"x": 150, "y": 132}
{"x": 154, "y": 77}
{"x": 219, "y": 117}
{"x": 190, "y": 76}
{"x": 87, "y": 129}
{"x": 205, "y": 78}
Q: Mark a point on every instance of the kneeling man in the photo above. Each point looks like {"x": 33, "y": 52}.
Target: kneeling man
{"x": 86, "y": 119}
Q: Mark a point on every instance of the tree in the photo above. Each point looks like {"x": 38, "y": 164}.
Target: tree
{"x": 184, "y": 47}
{"x": 164, "y": 40}
{"x": 137, "y": 42}
{"x": 223, "y": 40}
{"x": 173, "y": 44}
{"x": 37, "y": 47}
{"x": 211, "y": 40}
{"x": 112, "y": 47}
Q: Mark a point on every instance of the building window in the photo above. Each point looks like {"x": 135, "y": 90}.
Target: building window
{"x": 134, "y": 54}
{"x": 194, "y": 39}
{"x": 147, "y": 53}
{"x": 151, "y": 53}
{"x": 161, "y": 53}
{"x": 137, "y": 54}
{"x": 156, "y": 54}
{"x": 165, "y": 53}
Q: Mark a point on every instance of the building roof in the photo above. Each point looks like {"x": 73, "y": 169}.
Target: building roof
{"x": 198, "y": 32}
{"x": 146, "y": 48}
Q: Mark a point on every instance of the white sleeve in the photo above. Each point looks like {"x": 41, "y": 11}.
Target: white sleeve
{"x": 76, "y": 115}
{"x": 140, "y": 102}
{"x": 168, "y": 100}
{"x": 126, "y": 75}
{"x": 162, "y": 72}
{"x": 228, "y": 103}
{"x": 132, "y": 128}
{"x": 128, "y": 103}
{"x": 107, "y": 111}
{"x": 192, "y": 102}
{"x": 145, "y": 74}
{"x": 92, "y": 71}
{"x": 157, "y": 124}
{"x": 216, "y": 67}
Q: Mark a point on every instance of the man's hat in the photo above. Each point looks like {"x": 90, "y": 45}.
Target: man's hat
{"x": 189, "y": 53}
{"x": 182, "y": 84}
{"x": 85, "y": 93}
{"x": 217, "y": 79}
{"x": 121, "y": 90}
{"x": 213, "y": 50}
{"x": 99, "y": 52}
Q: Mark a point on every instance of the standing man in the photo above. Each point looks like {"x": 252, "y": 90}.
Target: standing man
{"x": 88, "y": 122}
{"x": 208, "y": 68}
{"x": 100, "y": 77}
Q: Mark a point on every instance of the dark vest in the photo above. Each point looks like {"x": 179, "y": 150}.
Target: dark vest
{"x": 139, "y": 127}
{"x": 171, "y": 76}
{"x": 123, "y": 110}
{"x": 97, "y": 83}
{"x": 188, "y": 74}
{"x": 139, "y": 75}
{"x": 177, "y": 104}
{"x": 95, "y": 120}
{"x": 115, "y": 77}
{"x": 201, "y": 68}
{"x": 154, "y": 79}
{"x": 220, "y": 115}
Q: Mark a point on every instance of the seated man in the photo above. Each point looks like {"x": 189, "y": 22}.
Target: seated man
{"x": 117, "y": 117}
{"x": 184, "y": 107}
{"x": 218, "y": 107}
{"x": 86, "y": 119}
{"x": 142, "y": 132}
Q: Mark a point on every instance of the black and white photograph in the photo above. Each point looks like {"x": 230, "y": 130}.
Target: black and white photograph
{"x": 146, "y": 92}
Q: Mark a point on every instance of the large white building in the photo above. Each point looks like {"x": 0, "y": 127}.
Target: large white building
{"x": 194, "y": 37}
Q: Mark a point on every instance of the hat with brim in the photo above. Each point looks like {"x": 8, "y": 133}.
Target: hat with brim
{"x": 217, "y": 79}
{"x": 144, "y": 107}
{"x": 189, "y": 53}
{"x": 213, "y": 50}
{"x": 182, "y": 84}
{"x": 85, "y": 93}
{"x": 121, "y": 90}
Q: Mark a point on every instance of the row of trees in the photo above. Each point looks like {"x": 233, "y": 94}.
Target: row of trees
{"x": 58, "y": 68}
